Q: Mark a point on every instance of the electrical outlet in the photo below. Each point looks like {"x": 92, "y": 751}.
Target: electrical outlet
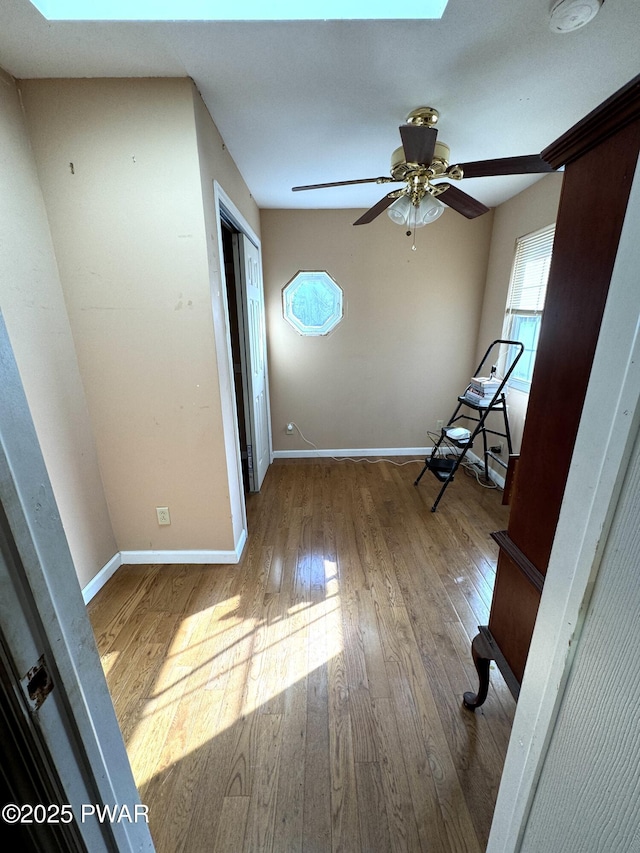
{"x": 289, "y": 428}
{"x": 439, "y": 425}
{"x": 163, "y": 515}
{"x": 497, "y": 448}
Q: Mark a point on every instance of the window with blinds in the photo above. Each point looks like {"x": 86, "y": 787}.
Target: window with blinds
{"x": 525, "y": 301}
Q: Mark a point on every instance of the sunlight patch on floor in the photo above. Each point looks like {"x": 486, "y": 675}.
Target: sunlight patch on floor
{"x": 230, "y": 667}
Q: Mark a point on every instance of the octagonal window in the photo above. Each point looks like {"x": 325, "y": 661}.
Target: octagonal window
{"x": 312, "y": 302}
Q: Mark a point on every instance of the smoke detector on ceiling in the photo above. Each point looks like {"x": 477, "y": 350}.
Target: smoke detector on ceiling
{"x": 569, "y": 15}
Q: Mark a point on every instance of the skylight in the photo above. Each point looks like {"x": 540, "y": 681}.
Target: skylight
{"x": 248, "y": 10}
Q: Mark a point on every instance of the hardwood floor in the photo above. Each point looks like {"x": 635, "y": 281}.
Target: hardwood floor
{"x": 310, "y": 698}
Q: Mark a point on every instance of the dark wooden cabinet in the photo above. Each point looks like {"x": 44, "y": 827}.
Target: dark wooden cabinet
{"x": 600, "y": 155}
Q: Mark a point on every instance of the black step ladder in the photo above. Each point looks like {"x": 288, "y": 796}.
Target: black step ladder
{"x": 444, "y": 469}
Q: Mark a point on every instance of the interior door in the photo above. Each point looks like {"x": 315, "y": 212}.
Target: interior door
{"x": 49, "y": 664}
{"x": 255, "y": 363}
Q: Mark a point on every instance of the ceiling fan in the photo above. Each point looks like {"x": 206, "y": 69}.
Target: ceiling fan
{"x": 421, "y": 163}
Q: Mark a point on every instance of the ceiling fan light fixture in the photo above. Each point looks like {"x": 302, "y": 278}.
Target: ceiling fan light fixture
{"x": 569, "y": 15}
{"x": 399, "y": 211}
{"x": 429, "y": 209}
{"x": 404, "y": 212}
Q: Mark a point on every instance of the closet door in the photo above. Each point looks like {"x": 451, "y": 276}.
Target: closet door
{"x": 255, "y": 363}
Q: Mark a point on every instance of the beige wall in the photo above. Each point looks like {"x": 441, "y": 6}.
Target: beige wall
{"x": 33, "y": 306}
{"x": 133, "y": 251}
{"x": 407, "y": 343}
{"x": 530, "y": 210}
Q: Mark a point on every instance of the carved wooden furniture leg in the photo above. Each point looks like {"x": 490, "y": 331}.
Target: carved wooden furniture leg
{"x": 482, "y": 657}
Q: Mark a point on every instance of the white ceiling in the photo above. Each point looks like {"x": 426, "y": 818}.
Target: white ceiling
{"x": 308, "y": 102}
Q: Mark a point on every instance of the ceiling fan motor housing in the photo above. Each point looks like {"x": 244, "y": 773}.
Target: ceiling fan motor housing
{"x": 400, "y": 169}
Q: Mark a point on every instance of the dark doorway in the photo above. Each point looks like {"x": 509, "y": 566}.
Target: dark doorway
{"x": 230, "y": 259}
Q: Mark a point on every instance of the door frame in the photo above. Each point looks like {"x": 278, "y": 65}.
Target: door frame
{"x": 225, "y": 208}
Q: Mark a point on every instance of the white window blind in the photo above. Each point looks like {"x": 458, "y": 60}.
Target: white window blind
{"x": 525, "y": 301}
{"x": 531, "y": 271}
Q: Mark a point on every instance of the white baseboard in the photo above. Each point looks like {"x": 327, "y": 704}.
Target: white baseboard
{"x": 242, "y": 541}
{"x": 356, "y": 453}
{"x": 137, "y": 558}
{"x": 98, "y": 581}
{"x": 349, "y": 453}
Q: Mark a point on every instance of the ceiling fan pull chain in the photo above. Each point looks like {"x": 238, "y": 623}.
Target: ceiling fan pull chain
{"x": 414, "y": 210}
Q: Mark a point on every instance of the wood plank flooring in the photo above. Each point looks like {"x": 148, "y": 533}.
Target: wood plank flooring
{"x": 310, "y": 698}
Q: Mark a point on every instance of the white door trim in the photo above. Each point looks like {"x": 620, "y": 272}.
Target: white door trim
{"x": 232, "y": 440}
{"x": 225, "y": 376}
{"x": 607, "y": 432}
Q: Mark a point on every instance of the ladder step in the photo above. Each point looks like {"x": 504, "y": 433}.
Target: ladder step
{"x": 441, "y": 468}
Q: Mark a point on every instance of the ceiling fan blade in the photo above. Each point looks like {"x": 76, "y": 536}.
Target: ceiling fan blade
{"x": 381, "y": 180}
{"x": 418, "y": 142}
{"x": 376, "y": 210}
{"x": 529, "y": 164}
{"x": 463, "y": 203}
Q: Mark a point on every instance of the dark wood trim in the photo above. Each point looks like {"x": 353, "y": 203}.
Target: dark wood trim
{"x": 510, "y": 478}
{"x": 484, "y": 649}
{"x": 610, "y": 117}
{"x": 584, "y": 254}
{"x": 501, "y": 662}
{"x": 585, "y": 248}
{"x": 482, "y": 653}
{"x": 506, "y": 544}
